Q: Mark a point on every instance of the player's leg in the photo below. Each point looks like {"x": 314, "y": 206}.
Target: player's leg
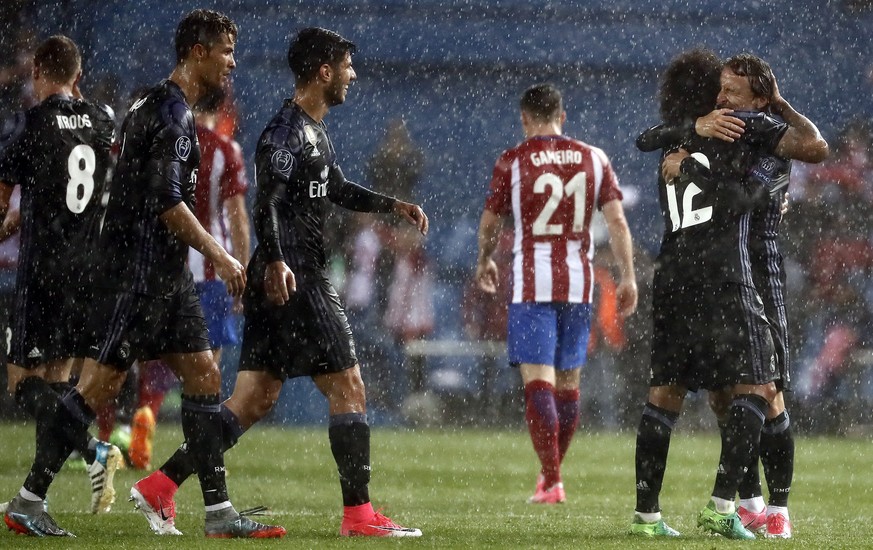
{"x": 532, "y": 339}
{"x": 654, "y": 432}
{"x": 66, "y": 423}
{"x": 751, "y": 509}
{"x": 254, "y": 395}
{"x": 777, "y": 457}
{"x": 571, "y": 351}
{"x": 349, "y": 434}
{"x": 672, "y": 360}
{"x": 746, "y": 357}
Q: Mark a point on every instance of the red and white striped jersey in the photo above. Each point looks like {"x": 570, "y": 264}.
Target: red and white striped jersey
{"x": 550, "y": 185}
{"x": 221, "y": 176}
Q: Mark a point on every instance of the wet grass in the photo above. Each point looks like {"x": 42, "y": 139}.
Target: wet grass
{"x": 463, "y": 488}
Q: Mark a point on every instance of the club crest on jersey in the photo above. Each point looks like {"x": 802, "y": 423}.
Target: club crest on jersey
{"x": 282, "y": 161}
{"x": 183, "y": 147}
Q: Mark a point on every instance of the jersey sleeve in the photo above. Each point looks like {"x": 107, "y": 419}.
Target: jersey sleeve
{"x": 234, "y": 180}
{"x": 609, "y": 188}
{"x": 355, "y": 197}
{"x": 11, "y": 130}
{"x": 170, "y": 149}
{"x": 277, "y": 158}
{"x": 499, "y": 199}
{"x": 765, "y": 132}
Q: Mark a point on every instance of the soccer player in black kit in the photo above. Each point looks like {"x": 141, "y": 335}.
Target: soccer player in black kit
{"x": 145, "y": 305}
{"x": 720, "y": 274}
{"x": 294, "y": 322}
{"x": 59, "y": 153}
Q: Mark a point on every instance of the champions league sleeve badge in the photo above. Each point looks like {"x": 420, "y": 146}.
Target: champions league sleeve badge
{"x": 282, "y": 161}
{"x": 183, "y": 147}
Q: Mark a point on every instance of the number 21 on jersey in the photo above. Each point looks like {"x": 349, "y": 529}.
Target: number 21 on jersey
{"x": 689, "y": 216}
{"x": 557, "y": 190}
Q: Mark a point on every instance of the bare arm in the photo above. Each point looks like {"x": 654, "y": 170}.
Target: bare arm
{"x": 11, "y": 219}
{"x": 721, "y": 125}
{"x": 486, "y": 268}
{"x": 240, "y": 232}
{"x": 184, "y": 225}
{"x": 622, "y": 249}
{"x": 802, "y": 141}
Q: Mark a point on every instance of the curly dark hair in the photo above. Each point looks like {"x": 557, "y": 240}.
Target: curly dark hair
{"x": 690, "y": 85}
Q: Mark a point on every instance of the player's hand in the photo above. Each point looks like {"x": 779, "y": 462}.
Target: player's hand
{"x": 279, "y": 283}
{"x": 784, "y": 209}
{"x": 413, "y": 214}
{"x": 626, "y": 295}
{"x": 672, "y": 162}
{"x": 486, "y": 275}
{"x": 232, "y": 273}
{"x": 721, "y": 125}
{"x": 777, "y": 102}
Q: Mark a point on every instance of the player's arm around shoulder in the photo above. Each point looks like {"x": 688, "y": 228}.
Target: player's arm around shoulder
{"x": 622, "y": 249}
{"x": 802, "y": 141}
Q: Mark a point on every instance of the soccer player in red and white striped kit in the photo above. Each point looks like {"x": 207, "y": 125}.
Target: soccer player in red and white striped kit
{"x": 550, "y": 185}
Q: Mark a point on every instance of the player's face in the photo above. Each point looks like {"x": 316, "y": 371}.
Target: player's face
{"x": 341, "y": 76}
{"x": 736, "y": 93}
{"x": 218, "y": 62}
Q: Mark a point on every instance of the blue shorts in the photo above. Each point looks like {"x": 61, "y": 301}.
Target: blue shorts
{"x": 216, "y": 308}
{"x": 547, "y": 333}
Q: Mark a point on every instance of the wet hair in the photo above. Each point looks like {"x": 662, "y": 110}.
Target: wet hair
{"x": 203, "y": 27}
{"x": 757, "y": 72}
{"x": 690, "y": 85}
{"x": 58, "y": 59}
{"x": 314, "y": 47}
{"x": 542, "y": 101}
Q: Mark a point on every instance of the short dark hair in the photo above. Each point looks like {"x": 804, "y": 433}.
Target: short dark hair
{"x": 690, "y": 86}
{"x": 312, "y": 48}
{"x": 202, "y": 27}
{"x": 58, "y": 58}
{"x": 542, "y": 101}
{"x": 757, "y": 72}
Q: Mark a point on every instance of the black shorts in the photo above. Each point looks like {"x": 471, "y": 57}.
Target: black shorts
{"x": 710, "y": 337}
{"x": 307, "y": 336}
{"x": 47, "y": 322}
{"x": 125, "y": 326}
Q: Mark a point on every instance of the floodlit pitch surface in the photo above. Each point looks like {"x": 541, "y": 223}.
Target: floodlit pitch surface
{"x": 463, "y": 488}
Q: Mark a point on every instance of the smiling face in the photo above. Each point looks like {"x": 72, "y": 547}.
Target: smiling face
{"x": 341, "y": 76}
{"x": 216, "y": 63}
{"x": 736, "y": 93}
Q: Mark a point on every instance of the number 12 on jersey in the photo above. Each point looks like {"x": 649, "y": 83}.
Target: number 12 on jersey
{"x": 689, "y": 215}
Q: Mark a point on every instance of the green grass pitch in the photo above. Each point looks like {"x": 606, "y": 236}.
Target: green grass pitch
{"x": 464, "y": 488}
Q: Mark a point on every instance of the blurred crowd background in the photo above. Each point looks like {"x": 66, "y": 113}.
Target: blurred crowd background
{"x": 434, "y": 105}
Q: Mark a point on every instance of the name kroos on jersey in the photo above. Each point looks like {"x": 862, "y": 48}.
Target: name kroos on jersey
{"x": 556, "y": 157}
{"x": 73, "y": 122}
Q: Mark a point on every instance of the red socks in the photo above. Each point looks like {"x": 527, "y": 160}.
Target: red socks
{"x": 542, "y": 422}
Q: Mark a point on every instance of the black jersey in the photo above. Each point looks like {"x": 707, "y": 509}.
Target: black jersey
{"x": 707, "y": 218}
{"x": 59, "y": 152}
{"x": 157, "y": 170}
{"x": 297, "y": 174}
